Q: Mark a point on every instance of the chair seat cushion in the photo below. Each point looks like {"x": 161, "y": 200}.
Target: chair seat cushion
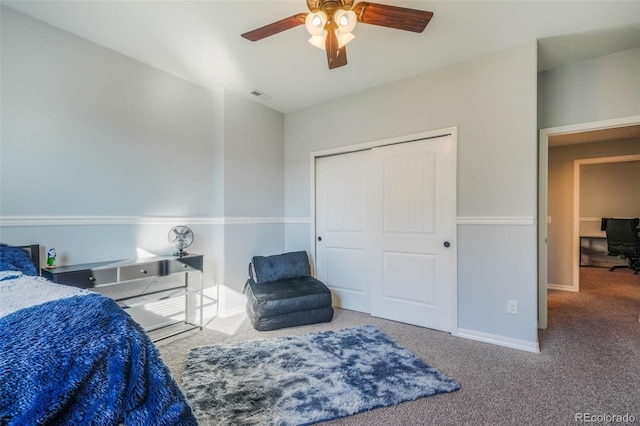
{"x": 292, "y": 319}
{"x": 286, "y": 296}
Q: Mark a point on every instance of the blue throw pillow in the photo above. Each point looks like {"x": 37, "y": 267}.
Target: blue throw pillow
{"x": 16, "y": 259}
{"x": 281, "y": 266}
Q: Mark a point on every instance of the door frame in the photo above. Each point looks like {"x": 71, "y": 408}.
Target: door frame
{"x": 576, "y": 205}
{"x": 543, "y": 182}
{"x": 432, "y": 134}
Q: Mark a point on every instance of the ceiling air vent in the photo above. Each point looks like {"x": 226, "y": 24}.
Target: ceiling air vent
{"x": 261, "y": 95}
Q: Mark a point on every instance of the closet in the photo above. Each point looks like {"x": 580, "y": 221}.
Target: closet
{"x": 385, "y": 224}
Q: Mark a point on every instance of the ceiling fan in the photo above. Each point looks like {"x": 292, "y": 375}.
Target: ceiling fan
{"x": 330, "y": 23}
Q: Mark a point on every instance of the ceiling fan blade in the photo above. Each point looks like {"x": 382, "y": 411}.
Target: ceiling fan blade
{"x": 336, "y": 57}
{"x": 400, "y": 18}
{"x": 275, "y": 27}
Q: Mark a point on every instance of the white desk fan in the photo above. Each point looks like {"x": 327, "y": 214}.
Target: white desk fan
{"x": 180, "y": 237}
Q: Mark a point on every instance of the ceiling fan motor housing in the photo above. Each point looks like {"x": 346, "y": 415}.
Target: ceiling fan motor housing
{"x": 329, "y": 6}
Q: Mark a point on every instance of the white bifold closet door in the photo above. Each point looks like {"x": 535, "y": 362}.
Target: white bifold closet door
{"x": 385, "y": 225}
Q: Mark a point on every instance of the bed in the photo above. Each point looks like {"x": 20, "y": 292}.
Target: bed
{"x": 72, "y": 356}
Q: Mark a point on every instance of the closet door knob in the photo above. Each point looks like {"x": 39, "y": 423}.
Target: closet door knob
{"x": 447, "y": 244}
{"x": 319, "y": 238}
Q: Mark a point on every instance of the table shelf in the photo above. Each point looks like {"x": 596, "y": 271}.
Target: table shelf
{"x": 150, "y": 289}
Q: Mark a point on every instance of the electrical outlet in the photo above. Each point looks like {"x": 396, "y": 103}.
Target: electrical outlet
{"x": 512, "y": 306}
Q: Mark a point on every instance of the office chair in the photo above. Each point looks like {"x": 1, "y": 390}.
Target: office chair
{"x": 623, "y": 239}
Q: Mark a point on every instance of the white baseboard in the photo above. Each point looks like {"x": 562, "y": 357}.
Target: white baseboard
{"x": 496, "y": 220}
{"x": 561, "y": 287}
{"x": 494, "y": 339}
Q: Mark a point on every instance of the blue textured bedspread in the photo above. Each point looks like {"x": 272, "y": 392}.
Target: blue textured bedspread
{"x": 82, "y": 360}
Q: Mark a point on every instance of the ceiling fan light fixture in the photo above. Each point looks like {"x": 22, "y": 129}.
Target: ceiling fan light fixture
{"x": 315, "y": 22}
{"x": 343, "y": 39}
{"x": 319, "y": 40}
{"x": 346, "y": 20}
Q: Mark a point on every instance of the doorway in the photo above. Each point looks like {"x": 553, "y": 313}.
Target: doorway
{"x": 589, "y": 225}
{"x": 623, "y": 128}
{"x": 385, "y": 224}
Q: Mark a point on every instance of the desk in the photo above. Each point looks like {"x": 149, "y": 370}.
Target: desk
{"x": 137, "y": 285}
{"x": 594, "y": 252}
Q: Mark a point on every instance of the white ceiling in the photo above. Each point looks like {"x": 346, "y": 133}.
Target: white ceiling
{"x": 200, "y": 40}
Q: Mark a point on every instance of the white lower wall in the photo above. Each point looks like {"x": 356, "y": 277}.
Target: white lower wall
{"x": 493, "y": 270}
{"x": 242, "y": 242}
{"x": 78, "y": 243}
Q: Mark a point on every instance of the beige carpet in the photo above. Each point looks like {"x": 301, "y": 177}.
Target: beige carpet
{"x": 589, "y": 361}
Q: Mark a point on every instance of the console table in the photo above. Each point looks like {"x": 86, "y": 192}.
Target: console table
{"x": 137, "y": 285}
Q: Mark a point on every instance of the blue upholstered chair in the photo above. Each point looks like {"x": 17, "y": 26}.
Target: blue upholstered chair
{"x": 282, "y": 293}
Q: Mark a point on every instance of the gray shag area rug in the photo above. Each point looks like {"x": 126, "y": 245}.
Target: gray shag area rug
{"x": 306, "y": 379}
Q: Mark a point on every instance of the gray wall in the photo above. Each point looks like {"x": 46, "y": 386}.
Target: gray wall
{"x": 610, "y": 189}
{"x": 107, "y": 153}
{"x": 87, "y": 131}
{"x": 597, "y": 89}
{"x": 253, "y": 191}
{"x": 492, "y": 101}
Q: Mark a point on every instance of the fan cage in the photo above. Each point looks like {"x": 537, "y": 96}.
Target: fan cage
{"x": 180, "y": 237}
